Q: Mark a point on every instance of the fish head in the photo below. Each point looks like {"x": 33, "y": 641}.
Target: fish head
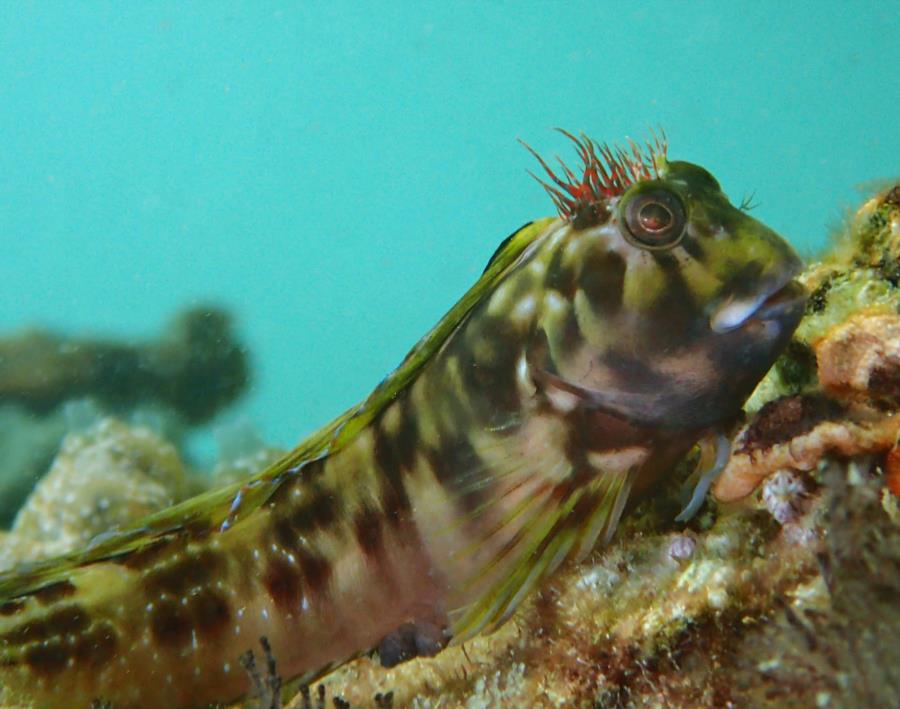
{"x": 664, "y": 304}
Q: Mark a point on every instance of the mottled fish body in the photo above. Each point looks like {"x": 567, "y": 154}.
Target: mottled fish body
{"x": 596, "y": 349}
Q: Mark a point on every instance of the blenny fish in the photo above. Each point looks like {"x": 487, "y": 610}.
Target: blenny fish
{"x": 597, "y": 348}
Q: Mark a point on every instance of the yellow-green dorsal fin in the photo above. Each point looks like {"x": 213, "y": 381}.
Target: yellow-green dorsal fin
{"x": 506, "y": 256}
{"x": 215, "y": 508}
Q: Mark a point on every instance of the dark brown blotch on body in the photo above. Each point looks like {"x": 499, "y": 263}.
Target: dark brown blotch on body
{"x": 69, "y": 619}
{"x": 315, "y": 569}
{"x": 29, "y": 631}
{"x": 395, "y": 455}
{"x": 633, "y": 372}
{"x": 674, "y": 306}
{"x": 47, "y": 658}
{"x": 97, "y": 647}
{"x": 50, "y": 594}
{"x": 211, "y": 613}
{"x": 396, "y": 450}
{"x": 492, "y": 382}
{"x": 694, "y": 249}
{"x": 283, "y": 584}
{"x": 293, "y": 521}
{"x": 190, "y": 571}
{"x": 453, "y": 462}
{"x": 302, "y": 477}
{"x": 11, "y": 607}
{"x": 368, "y": 530}
{"x": 170, "y": 624}
{"x": 602, "y": 278}
{"x": 319, "y": 513}
{"x": 559, "y": 277}
{"x": 145, "y": 556}
{"x": 284, "y": 533}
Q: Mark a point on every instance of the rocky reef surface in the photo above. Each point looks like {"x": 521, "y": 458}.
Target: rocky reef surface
{"x": 782, "y": 591}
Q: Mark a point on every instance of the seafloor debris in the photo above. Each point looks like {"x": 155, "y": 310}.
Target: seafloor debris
{"x": 195, "y": 368}
{"x": 783, "y": 494}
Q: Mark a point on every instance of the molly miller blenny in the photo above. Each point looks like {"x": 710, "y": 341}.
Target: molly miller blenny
{"x": 596, "y": 349}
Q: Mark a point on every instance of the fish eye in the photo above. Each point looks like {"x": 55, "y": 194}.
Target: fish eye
{"x": 655, "y": 219}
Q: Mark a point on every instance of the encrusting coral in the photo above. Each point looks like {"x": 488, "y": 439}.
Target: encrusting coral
{"x": 783, "y": 595}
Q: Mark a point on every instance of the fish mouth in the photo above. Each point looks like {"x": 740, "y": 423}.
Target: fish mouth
{"x": 780, "y": 300}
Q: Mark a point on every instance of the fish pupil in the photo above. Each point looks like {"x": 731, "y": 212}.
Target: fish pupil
{"x": 655, "y": 217}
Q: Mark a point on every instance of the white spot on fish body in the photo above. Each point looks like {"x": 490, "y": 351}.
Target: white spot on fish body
{"x": 562, "y": 401}
{"x": 555, "y": 303}
{"x": 617, "y": 460}
{"x": 524, "y": 310}
{"x": 499, "y": 303}
{"x": 524, "y": 381}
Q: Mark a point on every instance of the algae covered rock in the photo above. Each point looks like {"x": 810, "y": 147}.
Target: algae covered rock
{"x": 836, "y": 391}
{"x": 195, "y": 367}
{"x": 104, "y": 478}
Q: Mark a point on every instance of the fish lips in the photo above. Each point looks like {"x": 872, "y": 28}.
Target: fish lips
{"x": 781, "y": 301}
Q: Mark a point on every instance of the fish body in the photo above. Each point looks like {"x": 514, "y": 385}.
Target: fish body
{"x": 594, "y": 352}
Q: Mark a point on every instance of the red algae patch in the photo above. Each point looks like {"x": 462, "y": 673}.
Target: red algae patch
{"x": 860, "y": 431}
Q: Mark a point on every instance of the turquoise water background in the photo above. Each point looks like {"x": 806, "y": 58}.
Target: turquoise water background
{"x": 338, "y": 173}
